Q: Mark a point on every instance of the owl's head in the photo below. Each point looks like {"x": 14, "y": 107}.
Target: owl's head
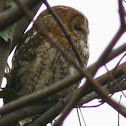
{"x": 79, "y": 25}
{"x": 75, "y": 22}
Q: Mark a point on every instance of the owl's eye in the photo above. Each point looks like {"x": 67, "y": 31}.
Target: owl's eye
{"x": 77, "y": 27}
{"x": 80, "y": 29}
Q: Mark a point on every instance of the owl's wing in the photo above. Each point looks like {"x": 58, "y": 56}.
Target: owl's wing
{"x": 37, "y": 64}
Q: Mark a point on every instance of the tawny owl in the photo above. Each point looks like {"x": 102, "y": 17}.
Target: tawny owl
{"x": 37, "y": 64}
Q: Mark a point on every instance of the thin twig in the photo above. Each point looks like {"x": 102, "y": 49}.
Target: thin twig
{"x": 16, "y": 104}
{"x": 114, "y": 40}
{"x": 119, "y": 62}
{"x": 116, "y": 51}
{"x": 78, "y": 116}
{"x": 92, "y": 106}
{"x": 118, "y": 112}
{"x": 101, "y": 93}
{"x": 56, "y": 87}
{"x": 54, "y": 111}
{"x": 122, "y": 14}
{"x": 65, "y": 32}
{"x": 90, "y": 78}
{"x": 63, "y": 53}
{"x": 115, "y": 81}
{"x": 12, "y": 15}
{"x": 82, "y": 117}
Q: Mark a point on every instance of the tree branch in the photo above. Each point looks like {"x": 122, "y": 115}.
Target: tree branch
{"x": 88, "y": 76}
{"x": 119, "y": 76}
{"x": 94, "y": 84}
{"x": 12, "y": 15}
{"x": 5, "y": 47}
{"x": 34, "y": 109}
{"x": 19, "y": 32}
{"x": 85, "y": 71}
{"x": 55, "y": 111}
{"x": 22, "y": 113}
{"x": 56, "y": 87}
{"x": 68, "y": 37}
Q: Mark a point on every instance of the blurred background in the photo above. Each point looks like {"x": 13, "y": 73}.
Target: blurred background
{"x": 104, "y": 22}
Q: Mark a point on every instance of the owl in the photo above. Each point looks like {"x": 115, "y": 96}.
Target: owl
{"x": 37, "y": 64}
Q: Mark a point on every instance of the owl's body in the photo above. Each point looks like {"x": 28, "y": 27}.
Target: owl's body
{"x": 37, "y": 64}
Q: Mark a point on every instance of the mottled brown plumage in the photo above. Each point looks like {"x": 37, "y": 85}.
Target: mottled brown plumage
{"x": 37, "y": 64}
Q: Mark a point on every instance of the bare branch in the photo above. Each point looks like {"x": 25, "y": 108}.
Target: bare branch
{"x": 57, "y": 87}
{"x": 6, "y": 46}
{"x": 22, "y": 113}
{"x": 12, "y": 15}
{"x": 84, "y": 71}
{"x": 19, "y": 28}
{"x": 88, "y": 76}
{"x": 65, "y": 32}
{"x": 116, "y": 52}
{"x": 122, "y": 14}
{"x": 53, "y": 112}
{"x": 95, "y": 85}
{"x": 116, "y": 84}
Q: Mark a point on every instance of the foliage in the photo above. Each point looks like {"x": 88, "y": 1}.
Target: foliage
{"x": 8, "y": 94}
{"x": 4, "y": 35}
{"x": 10, "y": 3}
